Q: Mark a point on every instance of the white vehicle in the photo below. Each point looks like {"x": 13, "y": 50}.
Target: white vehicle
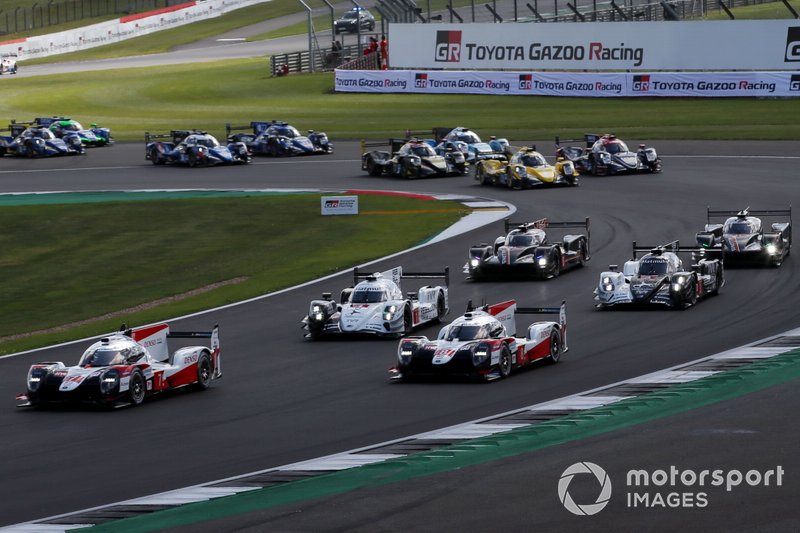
{"x": 8, "y": 64}
{"x": 376, "y": 305}
{"x": 483, "y": 343}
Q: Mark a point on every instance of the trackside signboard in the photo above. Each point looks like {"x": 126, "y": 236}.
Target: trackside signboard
{"x": 674, "y": 45}
{"x": 339, "y": 205}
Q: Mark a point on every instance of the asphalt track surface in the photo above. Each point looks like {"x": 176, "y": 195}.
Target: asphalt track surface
{"x": 284, "y": 399}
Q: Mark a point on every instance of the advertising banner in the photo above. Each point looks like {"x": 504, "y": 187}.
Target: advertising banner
{"x": 673, "y": 45}
{"x": 339, "y": 205}
{"x": 581, "y": 84}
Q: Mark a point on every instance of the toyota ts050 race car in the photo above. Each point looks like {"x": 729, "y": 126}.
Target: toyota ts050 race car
{"x": 525, "y": 251}
{"x": 194, "y": 148}
{"x": 125, "y": 368}
{"x": 376, "y": 305}
{"x": 659, "y": 278}
{"x": 483, "y": 343}
{"x": 470, "y": 143}
{"x": 62, "y": 126}
{"x": 278, "y": 138}
{"x": 606, "y": 154}
{"x": 526, "y": 169}
{"x": 743, "y": 239}
{"x": 411, "y": 159}
{"x": 29, "y": 139}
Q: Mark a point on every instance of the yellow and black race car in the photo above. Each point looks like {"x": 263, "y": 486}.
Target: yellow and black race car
{"x": 526, "y": 169}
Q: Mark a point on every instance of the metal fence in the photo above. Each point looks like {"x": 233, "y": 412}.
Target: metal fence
{"x": 51, "y": 12}
{"x": 323, "y": 59}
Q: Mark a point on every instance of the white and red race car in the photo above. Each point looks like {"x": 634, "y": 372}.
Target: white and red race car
{"x": 126, "y": 367}
{"x": 483, "y": 343}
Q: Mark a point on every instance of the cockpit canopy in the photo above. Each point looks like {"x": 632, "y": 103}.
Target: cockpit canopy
{"x": 653, "y": 266}
{"x": 742, "y": 226}
{"x": 110, "y": 352}
{"x": 368, "y": 295}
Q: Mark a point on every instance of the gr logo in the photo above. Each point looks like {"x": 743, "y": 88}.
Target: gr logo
{"x": 793, "y": 44}
{"x": 794, "y": 83}
{"x": 526, "y": 81}
{"x": 421, "y": 80}
{"x": 448, "y": 46}
{"x": 590, "y": 508}
{"x": 641, "y": 83}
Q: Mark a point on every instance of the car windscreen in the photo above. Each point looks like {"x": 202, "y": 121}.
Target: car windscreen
{"x": 739, "y": 227}
{"x": 367, "y": 296}
{"x": 466, "y": 332}
{"x": 467, "y": 137}
{"x": 102, "y": 356}
{"x": 522, "y": 240}
{"x": 422, "y": 150}
{"x": 616, "y": 147}
{"x": 653, "y": 267}
{"x": 533, "y": 160}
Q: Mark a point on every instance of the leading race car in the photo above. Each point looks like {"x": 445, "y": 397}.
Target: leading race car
{"x": 411, "y": 159}
{"x": 8, "y": 64}
{"x": 526, "y": 169}
{"x": 743, "y": 239}
{"x": 193, "y": 148}
{"x": 483, "y": 343}
{"x": 278, "y": 138}
{"x": 29, "y": 139}
{"x": 472, "y": 145}
{"x": 63, "y": 126}
{"x": 606, "y": 154}
{"x": 524, "y": 251}
{"x": 376, "y": 305}
{"x": 125, "y": 368}
{"x": 659, "y": 278}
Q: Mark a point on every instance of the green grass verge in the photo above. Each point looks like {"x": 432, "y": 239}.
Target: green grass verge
{"x": 768, "y": 11}
{"x": 62, "y": 264}
{"x": 207, "y": 95}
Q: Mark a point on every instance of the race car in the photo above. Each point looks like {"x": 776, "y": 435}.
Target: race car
{"x": 742, "y": 238}
{"x": 125, "y": 368}
{"x": 483, "y": 343}
{"x": 659, "y": 278}
{"x": 375, "y": 305}
{"x": 193, "y": 148}
{"x": 606, "y": 154}
{"x": 61, "y": 126}
{"x": 278, "y": 138}
{"x": 524, "y": 251}
{"x": 411, "y": 158}
{"x": 29, "y": 139}
{"x": 475, "y": 148}
{"x": 526, "y": 169}
{"x": 8, "y": 64}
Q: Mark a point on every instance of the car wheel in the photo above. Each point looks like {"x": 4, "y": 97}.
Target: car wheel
{"x": 719, "y": 282}
{"x": 441, "y": 308}
{"x": 192, "y": 159}
{"x": 504, "y": 366}
{"x": 372, "y": 168}
{"x": 155, "y": 157}
{"x": 582, "y": 254}
{"x": 408, "y": 323}
{"x": 137, "y": 388}
{"x": 509, "y": 180}
{"x": 556, "y": 263}
{"x": 204, "y": 372}
{"x": 555, "y": 347}
{"x": 480, "y": 175}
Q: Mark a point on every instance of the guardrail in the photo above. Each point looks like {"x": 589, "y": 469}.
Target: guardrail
{"x": 324, "y": 59}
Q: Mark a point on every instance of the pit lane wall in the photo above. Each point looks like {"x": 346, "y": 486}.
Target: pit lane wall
{"x": 121, "y": 29}
{"x": 579, "y": 84}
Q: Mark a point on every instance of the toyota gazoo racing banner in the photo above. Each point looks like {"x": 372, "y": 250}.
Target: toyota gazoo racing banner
{"x": 582, "y": 84}
{"x": 673, "y": 45}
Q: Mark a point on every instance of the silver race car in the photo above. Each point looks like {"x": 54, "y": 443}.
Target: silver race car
{"x": 743, "y": 239}
{"x": 376, "y": 305}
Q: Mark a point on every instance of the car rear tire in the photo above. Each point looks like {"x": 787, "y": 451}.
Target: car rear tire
{"x": 555, "y": 347}
{"x": 504, "y": 366}
{"x": 372, "y": 168}
{"x": 441, "y": 308}
{"x": 192, "y": 159}
{"x": 556, "y": 263}
{"x": 137, "y": 388}
{"x": 155, "y": 157}
{"x": 204, "y": 372}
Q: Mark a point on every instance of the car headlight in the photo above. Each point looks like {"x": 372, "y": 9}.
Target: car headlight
{"x": 542, "y": 261}
{"x": 35, "y": 377}
{"x": 568, "y": 169}
{"x": 681, "y": 280}
{"x": 521, "y": 172}
{"x": 771, "y": 249}
{"x": 677, "y": 287}
{"x": 389, "y": 311}
{"x": 605, "y": 157}
{"x": 606, "y": 284}
{"x": 405, "y": 352}
{"x": 480, "y": 354}
{"x": 474, "y": 262}
{"x": 415, "y": 161}
{"x": 651, "y": 156}
{"x": 109, "y": 381}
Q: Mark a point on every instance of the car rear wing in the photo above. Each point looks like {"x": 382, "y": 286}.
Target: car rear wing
{"x": 230, "y": 128}
{"x": 561, "y": 311}
{"x": 724, "y": 213}
{"x": 588, "y": 138}
{"x": 148, "y": 136}
{"x": 394, "y": 144}
{"x": 673, "y": 246}
{"x": 18, "y": 127}
{"x": 545, "y": 223}
{"x": 154, "y": 338}
{"x": 396, "y": 274}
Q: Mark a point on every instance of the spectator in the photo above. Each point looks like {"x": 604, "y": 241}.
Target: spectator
{"x": 335, "y": 55}
{"x": 384, "y": 48}
{"x": 283, "y": 70}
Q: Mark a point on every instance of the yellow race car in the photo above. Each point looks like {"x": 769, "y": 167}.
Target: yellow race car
{"x": 526, "y": 169}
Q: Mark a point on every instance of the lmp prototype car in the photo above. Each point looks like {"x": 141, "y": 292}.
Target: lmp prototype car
{"x": 659, "y": 278}
{"x": 483, "y": 343}
{"x": 193, "y": 148}
{"x": 526, "y": 169}
{"x": 742, "y": 238}
{"x": 375, "y": 305}
{"x": 29, "y": 139}
{"x": 475, "y": 148}
{"x": 606, "y": 154}
{"x": 276, "y": 138}
{"x": 125, "y": 368}
{"x": 412, "y": 158}
{"x": 525, "y": 251}
{"x": 62, "y": 126}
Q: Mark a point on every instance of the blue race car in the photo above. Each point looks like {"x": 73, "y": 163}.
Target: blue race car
{"x": 28, "y": 139}
{"x": 470, "y": 143}
{"x": 193, "y": 148}
{"x": 61, "y": 126}
{"x": 278, "y": 138}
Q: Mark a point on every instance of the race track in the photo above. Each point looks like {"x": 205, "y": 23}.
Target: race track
{"x": 284, "y": 399}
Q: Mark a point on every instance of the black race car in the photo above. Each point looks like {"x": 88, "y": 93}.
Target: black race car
{"x": 525, "y": 251}
{"x": 607, "y": 154}
{"x": 412, "y": 158}
{"x": 743, "y": 238}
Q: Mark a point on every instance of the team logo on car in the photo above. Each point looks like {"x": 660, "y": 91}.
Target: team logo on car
{"x": 794, "y": 83}
{"x": 525, "y": 82}
{"x": 792, "y": 44}
{"x": 641, "y": 83}
{"x": 448, "y": 46}
{"x": 421, "y": 80}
